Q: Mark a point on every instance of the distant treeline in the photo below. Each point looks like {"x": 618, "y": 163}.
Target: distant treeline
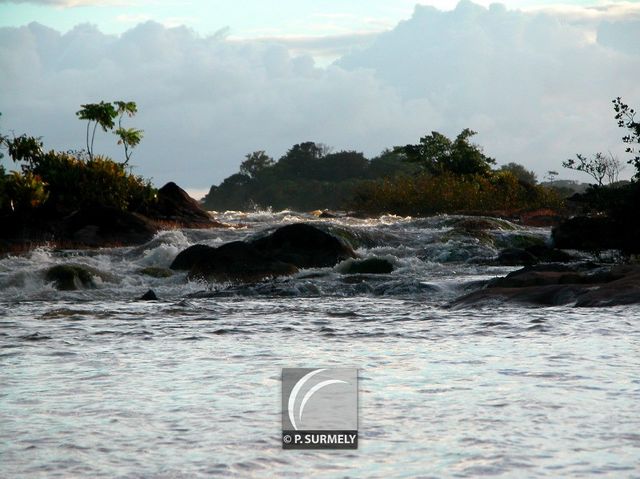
{"x": 307, "y": 177}
{"x": 436, "y": 175}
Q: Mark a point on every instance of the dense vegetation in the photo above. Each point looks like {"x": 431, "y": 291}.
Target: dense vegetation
{"x": 308, "y": 176}
{"x": 434, "y": 176}
{"x": 61, "y": 182}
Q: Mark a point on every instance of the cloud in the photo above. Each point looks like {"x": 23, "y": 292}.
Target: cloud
{"x": 72, "y": 3}
{"x": 536, "y": 86}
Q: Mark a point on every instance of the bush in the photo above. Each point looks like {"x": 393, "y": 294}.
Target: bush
{"x": 64, "y": 182}
{"x": 447, "y": 193}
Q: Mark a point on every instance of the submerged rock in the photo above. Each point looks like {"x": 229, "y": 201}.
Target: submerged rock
{"x": 533, "y": 255}
{"x": 149, "y": 296}
{"x": 69, "y": 277}
{"x": 156, "y": 272}
{"x": 584, "y": 284}
{"x": 368, "y": 266}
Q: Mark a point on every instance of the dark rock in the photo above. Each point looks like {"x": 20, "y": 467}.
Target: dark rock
{"x": 100, "y": 226}
{"x": 149, "y": 296}
{"x": 68, "y": 277}
{"x": 304, "y": 246}
{"x": 283, "y": 252}
{"x": 238, "y": 261}
{"x": 174, "y": 205}
{"x": 369, "y": 266}
{"x": 581, "y": 285}
{"x": 156, "y": 272}
{"x": 187, "y": 258}
{"x": 597, "y": 233}
{"x": 537, "y": 253}
{"x": 516, "y": 256}
{"x": 326, "y": 214}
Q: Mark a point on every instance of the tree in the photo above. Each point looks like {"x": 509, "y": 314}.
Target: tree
{"x": 520, "y": 172}
{"x": 301, "y": 160}
{"x": 255, "y": 163}
{"x": 551, "y": 176}
{"x": 438, "y": 154}
{"x": 599, "y": 167}
{"x": 102, "y": 114}
{"x": 128, "y": 137}
{"x": 626, "y": 119}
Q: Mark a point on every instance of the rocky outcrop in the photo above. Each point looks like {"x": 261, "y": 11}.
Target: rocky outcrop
{"x": 583, "y": 285}
{"x": 282, "y": 252}
{"x": 100, "y": 226}
{"x": 175, "y": 206}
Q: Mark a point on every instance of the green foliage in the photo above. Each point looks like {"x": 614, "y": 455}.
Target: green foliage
{"x": 22, "y": 192}
{"x": 447, "y": 192}
{"x": 599, "y": 167}
{"x": 626, "y": 119}
{"x": 520, "y": 172}
{"x": 104, "y": 114}
{"x": 64, "y": 181}
{"x": 255, "y": 163}
{"x": 99, "y": 114}
{"x": 437, "y": 154}
{"x": 129, "y": 138}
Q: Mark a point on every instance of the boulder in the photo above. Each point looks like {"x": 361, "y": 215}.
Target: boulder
{"x": 69, "y": 277}
{"x": 304, "y": 246}
{"x": 174, "y": 205}
{"x": 187, "y": 258}
{"x": 238, "y": 262}
{"x": 280, "y": 253}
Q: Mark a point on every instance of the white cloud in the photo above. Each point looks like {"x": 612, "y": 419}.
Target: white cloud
{"x": 530, "y": 83}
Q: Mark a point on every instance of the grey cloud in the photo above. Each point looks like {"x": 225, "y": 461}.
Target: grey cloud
{"x": 532, "y": 84}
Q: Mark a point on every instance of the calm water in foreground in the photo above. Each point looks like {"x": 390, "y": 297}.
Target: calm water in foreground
{"x": 96, "y": 384}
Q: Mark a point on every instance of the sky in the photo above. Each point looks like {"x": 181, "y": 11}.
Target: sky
{"x": 217, "y": 79}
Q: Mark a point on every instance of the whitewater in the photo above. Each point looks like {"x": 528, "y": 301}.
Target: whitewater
{"x": 96, "y": 383}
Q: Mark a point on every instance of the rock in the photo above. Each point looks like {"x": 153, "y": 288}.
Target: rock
{"x": 368, "y": 266}
{"x": 532, "y": 255}
{"x": 516, "y": 256}
{"x": 238, "y": 262}
{"x": 174, "y": 205}
{"x": 597, "y": 233}
{"x": 69, "y": 277}
{"x": 584, "y": 284}
{"x": 101, "y": 226}
{"x": 304, "y": 246}
{"x": 280, "y": 253}
{"x": 187, "y": 258}
{"x": 156, "y": 272}
{"x": 149, "y": 296}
